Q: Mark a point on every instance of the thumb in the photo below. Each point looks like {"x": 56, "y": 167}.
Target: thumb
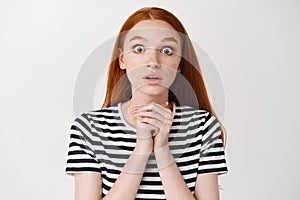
{"x": 166, "y": 104}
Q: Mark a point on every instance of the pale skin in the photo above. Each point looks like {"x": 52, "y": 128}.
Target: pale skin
{"x": 148, "y": 107}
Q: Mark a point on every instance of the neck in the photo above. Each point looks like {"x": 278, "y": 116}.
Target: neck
{"x": 140, "y": 99}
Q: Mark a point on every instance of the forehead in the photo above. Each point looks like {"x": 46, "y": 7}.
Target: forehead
{"x": 152, "y": 30}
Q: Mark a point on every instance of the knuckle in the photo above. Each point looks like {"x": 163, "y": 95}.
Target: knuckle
{"x": 168, "y": 111}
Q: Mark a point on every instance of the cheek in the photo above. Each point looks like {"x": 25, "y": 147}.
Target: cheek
{"x": 134, "y": 75}
{"x": 169, "y": 77}
{"x": 133, "y": 60}
{"x": 171, "y": 61}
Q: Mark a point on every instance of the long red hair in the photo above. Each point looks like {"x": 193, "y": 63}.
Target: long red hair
{"x": 190, "y": 77}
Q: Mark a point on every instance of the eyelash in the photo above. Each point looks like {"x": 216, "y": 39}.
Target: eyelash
{"x": 172, "y": 49}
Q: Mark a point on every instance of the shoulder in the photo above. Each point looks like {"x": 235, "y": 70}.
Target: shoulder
{"x": 111, "y": 109}
{"x": 100, "y": 113}
{"x": 88, "y": 117}
{"x": 196, "y": 116}
{"x": 190, "y": 117}
{"x": 186, "y": 110}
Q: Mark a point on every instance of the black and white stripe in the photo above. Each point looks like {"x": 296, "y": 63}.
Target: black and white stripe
{"x": 101, "y": 141}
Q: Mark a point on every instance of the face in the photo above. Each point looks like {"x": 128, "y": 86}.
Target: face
{"x": 151, "y": 56}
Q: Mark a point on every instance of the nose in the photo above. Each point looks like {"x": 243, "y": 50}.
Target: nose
{"x": 153, "y": 66}
{"x": 153, "y": 61}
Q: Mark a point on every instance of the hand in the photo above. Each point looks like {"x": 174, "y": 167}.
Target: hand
{"x": 159, "y": 117}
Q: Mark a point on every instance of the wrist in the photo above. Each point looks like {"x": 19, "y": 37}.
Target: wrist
{"x": 157, "y": 147}
{"x": 136, "y": 163}
{"x": 164, "y": 157}
{"x": 144, "y": 146}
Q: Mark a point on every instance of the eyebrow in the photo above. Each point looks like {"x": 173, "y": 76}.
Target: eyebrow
{"x": 168, "y": 39}
{"x": 137, "y": 38}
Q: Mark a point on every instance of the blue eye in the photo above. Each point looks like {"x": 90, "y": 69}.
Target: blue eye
{"x": 138, "y": 48}
{"x": 167, "y": 50}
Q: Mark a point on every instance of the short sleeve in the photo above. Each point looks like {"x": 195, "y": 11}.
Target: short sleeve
{"x": 81, "y": 156}
{"x": 212, "y": 155}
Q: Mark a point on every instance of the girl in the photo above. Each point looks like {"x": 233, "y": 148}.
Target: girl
{"x": 156, "y": 135}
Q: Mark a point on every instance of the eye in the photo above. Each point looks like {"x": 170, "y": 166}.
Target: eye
{"x": 167, "y": 50}
{"x": 138, "y": 48}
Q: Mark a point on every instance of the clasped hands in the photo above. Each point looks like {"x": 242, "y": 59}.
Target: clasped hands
{"x": 154, "y": 122}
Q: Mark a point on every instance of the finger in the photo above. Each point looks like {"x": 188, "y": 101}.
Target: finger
{"x": 157, "y": 119}
{"x": 152, "y": 121}
{"x": 164, "y": 125}
{"x": 166, "y": 104}
{"x": 154, "y": 107}
{"x": 151, "y": 107}
{"x": 148, "y": 127}
{"x": 161, "y": 121}
{"x": 153, "y": 129}
{"x": 150, "y": 114}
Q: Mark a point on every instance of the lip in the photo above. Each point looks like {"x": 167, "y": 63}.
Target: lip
{"x": 152, "y": 81}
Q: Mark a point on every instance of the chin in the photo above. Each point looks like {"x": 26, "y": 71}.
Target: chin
{"x": 153, "y": 89}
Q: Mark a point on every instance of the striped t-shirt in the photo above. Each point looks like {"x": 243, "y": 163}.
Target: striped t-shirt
{"x": 101, "y": 141}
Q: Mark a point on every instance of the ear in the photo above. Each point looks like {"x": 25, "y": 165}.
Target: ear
{"x": 121, "y": 58}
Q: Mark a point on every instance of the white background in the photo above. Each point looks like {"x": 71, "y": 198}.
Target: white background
{"x": 255, "y": 47}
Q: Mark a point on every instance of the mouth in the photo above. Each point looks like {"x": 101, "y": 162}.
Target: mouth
{"x": 152, "y": 78}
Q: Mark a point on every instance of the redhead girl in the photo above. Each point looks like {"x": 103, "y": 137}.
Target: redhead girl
{"x": 156, "y": 135}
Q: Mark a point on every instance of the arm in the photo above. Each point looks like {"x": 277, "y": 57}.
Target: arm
{"x": 206, "y": 184}
{"x": 212, "y": 160}
{"x": 169, "y": 173}
{"x": 127, "y": 184}
{"x": 171, "y": 177}
{"x": 89, "y": 185}
{"x": 207, "y": 187}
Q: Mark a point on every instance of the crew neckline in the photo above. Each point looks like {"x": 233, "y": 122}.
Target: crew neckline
{"x": 131, "y": 127}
